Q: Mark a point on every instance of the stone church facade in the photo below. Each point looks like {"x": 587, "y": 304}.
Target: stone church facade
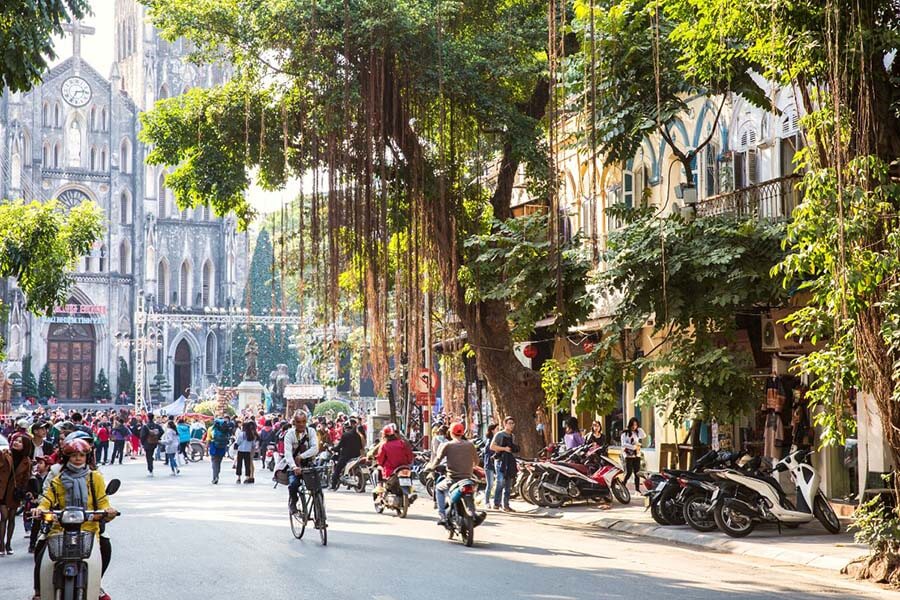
{"x": 74, "y": 138}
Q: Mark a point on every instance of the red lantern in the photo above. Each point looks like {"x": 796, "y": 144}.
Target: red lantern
{"x": 588, "y": 347}
{"x": 530, "y": 351}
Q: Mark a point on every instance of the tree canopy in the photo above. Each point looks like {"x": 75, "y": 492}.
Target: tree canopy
{"x": 27, "y": 28}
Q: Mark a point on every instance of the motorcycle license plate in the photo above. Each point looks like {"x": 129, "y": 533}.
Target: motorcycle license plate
{"x": 405, "y": 481}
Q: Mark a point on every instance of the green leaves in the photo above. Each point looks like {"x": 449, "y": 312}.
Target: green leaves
{"x": 692, "y": 278}
{"x": 40, "y": 245}
{"x": 515, "y": 263}
{"x": 27, "y": 28}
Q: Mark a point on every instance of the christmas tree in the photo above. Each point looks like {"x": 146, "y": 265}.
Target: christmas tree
{"x": 101, "y": 387}
{"x": 125, "y": 382}
{"x": 264, "y": 289}
{"x": 29, "y": 383}
{"x": 159, "y": 387}
{"x": 46, "y": 387}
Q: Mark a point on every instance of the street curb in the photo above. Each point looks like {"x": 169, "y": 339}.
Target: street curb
{"x": 690, "y": 537}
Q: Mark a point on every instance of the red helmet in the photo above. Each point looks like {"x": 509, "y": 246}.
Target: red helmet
{"x": 388, "y": 430}
{"x": 458, "y": 429}
{"x": 77, "y": 445}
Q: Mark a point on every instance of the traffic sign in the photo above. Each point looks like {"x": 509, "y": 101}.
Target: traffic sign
{"x": 424, "y": 399}
{"x": 426, "y": 382}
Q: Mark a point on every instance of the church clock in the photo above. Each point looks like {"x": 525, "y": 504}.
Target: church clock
{"x": 76, "y": 91}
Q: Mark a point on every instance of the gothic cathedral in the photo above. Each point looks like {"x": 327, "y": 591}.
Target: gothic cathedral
{"x": 74, "y": 137}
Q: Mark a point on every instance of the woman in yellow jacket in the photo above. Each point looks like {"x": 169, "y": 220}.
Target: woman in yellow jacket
{"x": 77, "y": 485}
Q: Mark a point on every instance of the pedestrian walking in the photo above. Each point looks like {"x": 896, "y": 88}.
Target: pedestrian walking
{"x": 151, "y": 433}
{"x": 15, "y": 471}
{"x": 170, "y": 443}
{"x": 246, "y": 442}
{"x": 119, "y": 435}
{"x": 184, "y": 438}
{"x": 505, "y": 448}
{"x": 220, "y": 434}
{"x": 266, "y": 437}
{"x": 135, "y": 438}
{"x": 103, "y": 436}
{"x": 490, "y": 472}
{"x": 631, "y": 446}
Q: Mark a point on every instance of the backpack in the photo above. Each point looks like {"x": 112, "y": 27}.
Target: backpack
{"x": 152, "y": 435}
{"x": 220, "y": 436}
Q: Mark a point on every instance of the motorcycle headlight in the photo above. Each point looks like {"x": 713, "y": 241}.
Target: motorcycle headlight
{"x": 72, "y": 517}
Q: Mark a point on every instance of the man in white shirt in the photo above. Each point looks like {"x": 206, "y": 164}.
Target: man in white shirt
{"x": 300, "y": 445}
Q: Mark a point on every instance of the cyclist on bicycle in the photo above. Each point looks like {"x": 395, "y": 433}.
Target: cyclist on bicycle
{"x": 300, "y": 447}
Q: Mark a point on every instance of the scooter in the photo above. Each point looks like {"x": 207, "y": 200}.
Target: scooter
{"x": 356, "y": 474}
{"x": 397, "y": 493}
{"x": 71, "y": 569}
{"x": 462, "y": 518}
{"x": 597, "y": 478}
{"x": 746, "y": 499}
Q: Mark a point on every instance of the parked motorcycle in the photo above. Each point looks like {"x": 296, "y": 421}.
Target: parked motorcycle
{"x": 71, "y": 568}
{"x": 597, "y": 477}
{"x": 675, "y": 496}
{"x": 745, "y": 499}
{"x": 397, "y": 492}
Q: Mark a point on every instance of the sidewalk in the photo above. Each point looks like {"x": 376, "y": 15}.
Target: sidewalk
{"x": 809, "y": 545}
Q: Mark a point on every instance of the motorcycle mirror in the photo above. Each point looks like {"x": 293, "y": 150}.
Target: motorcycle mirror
{"x": 113, "y": 486}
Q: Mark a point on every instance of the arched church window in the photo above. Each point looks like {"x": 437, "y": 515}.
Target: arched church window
{"x": 124, "y": 258}
{"x": 210, "y": 353}
{"x": 184, "y": 289}
{"x": 125, "y": 156}
{"x": 161, "y": 199}
{"x": 162, "y": 281}
{"x": 207, "y": 283}
{"x": 124, "y": 209}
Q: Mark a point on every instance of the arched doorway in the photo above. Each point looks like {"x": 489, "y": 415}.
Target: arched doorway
{"x": 182, "y": 368}
{"x": 71, "y": 348}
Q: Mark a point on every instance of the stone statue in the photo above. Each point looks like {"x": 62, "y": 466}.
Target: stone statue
{"x": 251, "y": 353}
{"x": 278, "y": 379}
{"x": 305, "y": 373}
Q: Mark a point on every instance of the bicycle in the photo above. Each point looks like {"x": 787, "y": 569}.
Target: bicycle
{"x": 310, "y": 495}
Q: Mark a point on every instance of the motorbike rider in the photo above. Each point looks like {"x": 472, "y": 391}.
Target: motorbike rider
{"x": 349, "y": 447}
{"x": 462, "y": 457}
{"x": 393, "y": 452}
{"x": 75, "y": 485}
{"x": 300, "y": 446}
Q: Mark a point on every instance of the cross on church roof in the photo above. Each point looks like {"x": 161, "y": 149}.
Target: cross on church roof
{"x": 77, "y": 29}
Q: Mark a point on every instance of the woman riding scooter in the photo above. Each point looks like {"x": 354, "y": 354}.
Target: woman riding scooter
{"x": 76, "y": 485}
{"x": 392, "y": 452}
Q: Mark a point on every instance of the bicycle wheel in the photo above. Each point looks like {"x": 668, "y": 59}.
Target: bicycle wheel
{"x": 319, "y": 509}
{"x": 299, "y": 518}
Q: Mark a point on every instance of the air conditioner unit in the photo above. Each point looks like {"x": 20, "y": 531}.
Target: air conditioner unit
{"x": 769, "y": 335}
{"x": 382, "y": 407}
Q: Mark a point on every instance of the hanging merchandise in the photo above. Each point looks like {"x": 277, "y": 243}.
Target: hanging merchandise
{"x": 775, "y": 395}
{"x": 714, "y": 433}
{"x": 774, "y": 436}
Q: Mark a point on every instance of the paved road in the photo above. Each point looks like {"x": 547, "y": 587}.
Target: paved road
{"x": 183, "y": 538}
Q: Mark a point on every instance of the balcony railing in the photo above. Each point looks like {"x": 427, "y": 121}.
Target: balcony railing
{"x": 774, "y": 199}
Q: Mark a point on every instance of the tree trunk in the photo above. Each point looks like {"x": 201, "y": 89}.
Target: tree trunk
{"x": 516, "y": 389}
